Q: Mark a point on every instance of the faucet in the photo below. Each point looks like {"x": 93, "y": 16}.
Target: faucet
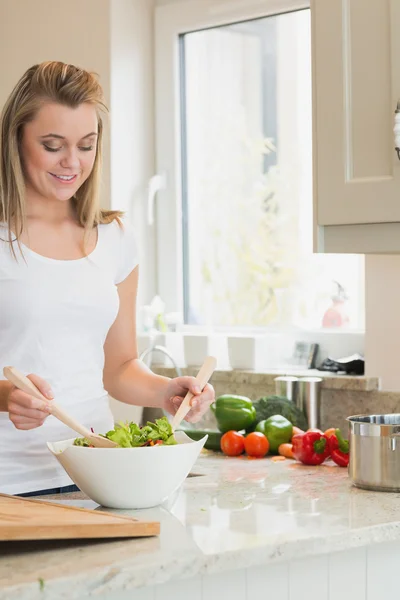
{"x": 163, "y": 350}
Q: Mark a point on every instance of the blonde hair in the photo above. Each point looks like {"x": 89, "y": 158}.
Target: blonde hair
{"x": 48, "y": 82}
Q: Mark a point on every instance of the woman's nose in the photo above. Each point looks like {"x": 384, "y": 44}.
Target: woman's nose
{"x": 71, "y": 159}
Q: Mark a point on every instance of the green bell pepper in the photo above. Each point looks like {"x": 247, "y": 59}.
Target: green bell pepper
{"x": 277, "y": 430}
{"x": 233, "y": 412}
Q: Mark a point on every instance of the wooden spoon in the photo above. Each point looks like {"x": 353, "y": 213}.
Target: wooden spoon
{"x": 26, "y": 385}
{"x": 202, "y": 377}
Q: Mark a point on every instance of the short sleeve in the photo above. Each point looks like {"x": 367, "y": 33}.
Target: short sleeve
{"x": 128, "y": 255}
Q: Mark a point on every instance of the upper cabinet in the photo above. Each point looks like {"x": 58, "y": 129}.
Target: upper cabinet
{"x": 356, "y": 87}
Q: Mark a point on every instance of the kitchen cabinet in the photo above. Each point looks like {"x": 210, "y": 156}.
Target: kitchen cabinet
{"x": 356, "y": 87}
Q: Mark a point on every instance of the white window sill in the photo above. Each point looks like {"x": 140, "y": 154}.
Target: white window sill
{"x": 266, "y": 352}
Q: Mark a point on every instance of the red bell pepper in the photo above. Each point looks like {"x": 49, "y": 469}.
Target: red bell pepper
{"x": 339, "y": 449}
{"x": 310, "y": 448}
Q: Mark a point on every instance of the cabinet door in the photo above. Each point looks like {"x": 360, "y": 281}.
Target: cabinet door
{"x": 356, "y": 81}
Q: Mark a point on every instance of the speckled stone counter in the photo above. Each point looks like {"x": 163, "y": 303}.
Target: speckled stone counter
{"x": 238, "y": 518}
{"x": 241, "y": 380}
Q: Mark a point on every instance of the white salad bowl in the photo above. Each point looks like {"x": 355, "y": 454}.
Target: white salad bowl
{"x": 129, "y": 478}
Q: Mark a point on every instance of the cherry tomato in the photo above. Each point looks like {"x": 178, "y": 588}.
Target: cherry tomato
{"x": 232, "y": 443}
{"x": 256, "y": 444}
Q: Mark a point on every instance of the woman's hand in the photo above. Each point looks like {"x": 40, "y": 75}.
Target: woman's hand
{"x": 25, "y": 411}
{"x": 176, "y": 391}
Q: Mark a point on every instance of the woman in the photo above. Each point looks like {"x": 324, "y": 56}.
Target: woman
{"x": 68, "y": 280}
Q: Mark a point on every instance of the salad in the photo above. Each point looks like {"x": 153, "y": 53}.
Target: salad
{"x": 130, "y": 435}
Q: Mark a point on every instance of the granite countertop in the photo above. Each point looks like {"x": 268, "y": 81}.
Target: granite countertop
{"x": 234, "y": 513}
{"x": 330, "y": 381}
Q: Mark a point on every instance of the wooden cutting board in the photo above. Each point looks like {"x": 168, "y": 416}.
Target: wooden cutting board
{"x": 29, "y": 519}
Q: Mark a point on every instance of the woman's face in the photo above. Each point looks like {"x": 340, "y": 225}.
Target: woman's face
{"x": 58, "y": 150}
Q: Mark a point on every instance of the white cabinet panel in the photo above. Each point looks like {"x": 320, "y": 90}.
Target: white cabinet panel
{"x": 270, "y": 581}
{"x": 347, "y": 574}
{"x": 183, "y": 589}
{"x": 367, "y": 573}
{"x": 308, "y": 579}
{"x": 382, "y": 571}
{"x": 231, "y": 584}
{"x": 356, "y": 80}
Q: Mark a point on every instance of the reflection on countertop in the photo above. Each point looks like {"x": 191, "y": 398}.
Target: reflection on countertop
{"x": 235, "y": 513}
{"x": 281, "y": 506}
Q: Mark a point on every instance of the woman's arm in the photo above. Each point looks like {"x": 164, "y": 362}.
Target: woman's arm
{"x": 128, "y": 380}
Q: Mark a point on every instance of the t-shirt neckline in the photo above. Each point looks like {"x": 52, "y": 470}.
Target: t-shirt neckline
{"x": 70, "y": 261}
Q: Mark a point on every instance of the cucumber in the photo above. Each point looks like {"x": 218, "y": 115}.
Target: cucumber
{"x": 213, "y": 441}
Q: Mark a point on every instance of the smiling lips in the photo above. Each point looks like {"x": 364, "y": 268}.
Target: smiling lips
{"x": 64, "y": 178}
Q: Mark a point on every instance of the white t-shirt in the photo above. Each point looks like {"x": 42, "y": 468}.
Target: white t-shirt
{"x": 54, "y": 319}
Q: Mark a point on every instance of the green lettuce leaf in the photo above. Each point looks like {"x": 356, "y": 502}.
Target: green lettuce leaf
{"x": 130, "y": 435}
{"x": 121, "y": 435}
{"x": 81, "y": 442}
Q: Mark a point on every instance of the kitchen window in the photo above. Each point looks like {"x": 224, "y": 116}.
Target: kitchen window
{"x": 234, "y": 141}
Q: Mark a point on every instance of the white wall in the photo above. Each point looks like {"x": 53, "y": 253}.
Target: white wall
{"x": 132, "y": 125}
{"x": 132, "y": 138}
{"x": 382, "y": 340}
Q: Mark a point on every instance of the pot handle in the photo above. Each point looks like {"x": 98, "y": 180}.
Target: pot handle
{"x": 392, "y": 440}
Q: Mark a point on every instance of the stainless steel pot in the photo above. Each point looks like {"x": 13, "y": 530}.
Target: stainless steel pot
{"x": 375, "y": 452}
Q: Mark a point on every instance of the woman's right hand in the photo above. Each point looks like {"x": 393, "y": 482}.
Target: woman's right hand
{"x": 25, "y": 411}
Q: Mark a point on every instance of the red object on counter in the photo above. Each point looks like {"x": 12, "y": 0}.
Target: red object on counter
{"x": 232, "y": 443}
{"x": 336, "y": 315}
{"x": 256, "y": 444}
{"x": 311, "y": 448}
{"x": 339, "y": 449}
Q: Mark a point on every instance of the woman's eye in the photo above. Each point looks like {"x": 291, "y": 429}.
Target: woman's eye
{"x": 83, "y": 148}
{"x": 50, "y": 149}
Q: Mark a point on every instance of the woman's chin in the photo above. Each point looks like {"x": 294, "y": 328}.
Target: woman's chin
{"x": 62, "y": 195}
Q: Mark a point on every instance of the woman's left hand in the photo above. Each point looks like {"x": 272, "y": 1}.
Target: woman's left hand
{"x": 176, "y": 391}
